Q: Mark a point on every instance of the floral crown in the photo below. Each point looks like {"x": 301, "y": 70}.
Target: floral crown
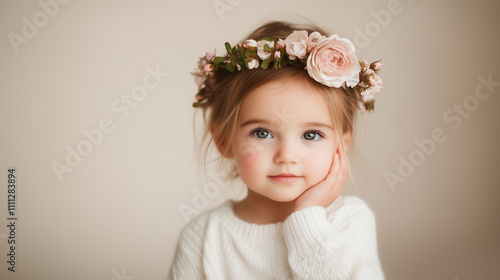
{"x": 330, "y": 61}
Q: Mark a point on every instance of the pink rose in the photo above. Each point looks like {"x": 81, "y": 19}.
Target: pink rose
{"x": 260, "y": 49}
{"x": 296, "y": 44}
{"x": 375, "y": 83}
{"x": 334, "y": 62}
{"x": 208, "y": 68}
{"x": 280, "y": 44}
{"x": 254, "y": 63}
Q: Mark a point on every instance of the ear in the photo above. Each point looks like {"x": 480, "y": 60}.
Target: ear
{"x": 346, "y": 139}
{"x": 221, "y": 146}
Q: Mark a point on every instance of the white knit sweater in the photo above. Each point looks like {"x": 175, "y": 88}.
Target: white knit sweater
{"x": 337, "y": 242}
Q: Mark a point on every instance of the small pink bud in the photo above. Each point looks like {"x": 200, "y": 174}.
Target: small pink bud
{"x": 372, "y": 81}
{"x": 376, "y": 65}
{"x": 280, "y": 44}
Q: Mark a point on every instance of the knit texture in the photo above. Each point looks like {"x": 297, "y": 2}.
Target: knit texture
{"x": 337, "y": 242}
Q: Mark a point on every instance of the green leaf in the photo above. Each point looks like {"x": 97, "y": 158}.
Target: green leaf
{"x": 248, "y": 53}
{"x": 267, "y": 48}
{"x": 370, "y": 105}
{"x": 228, "y": 48}
{"x": 233, "y": 60}
{"x": 230, "y": 67}
{"x": 240, "y": 60}
{"x": 219, "y": 60}
{"x": 265, "y": 63}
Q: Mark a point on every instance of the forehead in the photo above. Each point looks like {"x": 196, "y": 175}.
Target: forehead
{"x": 286, "y": 100}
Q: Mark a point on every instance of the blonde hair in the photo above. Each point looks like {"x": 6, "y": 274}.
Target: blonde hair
{"x": 221, "y": 111}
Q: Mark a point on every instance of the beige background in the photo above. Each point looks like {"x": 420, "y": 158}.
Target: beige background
{"x": 117, "y": 214}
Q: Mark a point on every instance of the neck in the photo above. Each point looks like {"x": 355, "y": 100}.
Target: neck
{"x": 258, "y": 209}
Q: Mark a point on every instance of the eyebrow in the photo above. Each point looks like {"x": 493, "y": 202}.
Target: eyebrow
{"x": 266, "y": 122}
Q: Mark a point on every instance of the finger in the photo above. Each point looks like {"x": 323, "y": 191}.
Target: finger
{"x": 343, "y": 163}
{"x": 333, "y": 173}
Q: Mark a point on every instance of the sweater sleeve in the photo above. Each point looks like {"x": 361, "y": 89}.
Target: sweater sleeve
{"x": 188, "y": 262}
{"x": 342, "y": 247}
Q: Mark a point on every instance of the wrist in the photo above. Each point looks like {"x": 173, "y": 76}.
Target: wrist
{"x": 303, "y": 206}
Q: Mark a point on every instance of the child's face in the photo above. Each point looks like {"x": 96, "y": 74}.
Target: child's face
{"x": 284, "y": 128}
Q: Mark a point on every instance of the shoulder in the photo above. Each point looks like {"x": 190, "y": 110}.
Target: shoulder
{"x": 349, "y": 209}
{"x": 196, "y": 228}
{"x": 188, "y": 258}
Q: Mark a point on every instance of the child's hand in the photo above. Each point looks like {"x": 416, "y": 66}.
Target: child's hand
{"x": 327, "y": 191}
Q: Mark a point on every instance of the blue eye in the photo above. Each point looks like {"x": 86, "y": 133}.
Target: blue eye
{"x": 261, "y": 133}
{"x": 311, "y": 135}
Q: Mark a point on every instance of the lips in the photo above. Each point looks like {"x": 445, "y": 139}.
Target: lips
{"x": 285, "y": 178}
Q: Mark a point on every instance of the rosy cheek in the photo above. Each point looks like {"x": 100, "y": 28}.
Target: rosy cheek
{"x": 246, "y": 151}
{"x": 321, "y": 164}
{"x": 248, "y": 170}
{"x": 250, "y": 163}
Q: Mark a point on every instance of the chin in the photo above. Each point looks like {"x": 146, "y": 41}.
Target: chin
{"x": 284, "y": 198}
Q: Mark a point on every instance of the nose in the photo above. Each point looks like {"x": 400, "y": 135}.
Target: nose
{"x": 286, "y": 153}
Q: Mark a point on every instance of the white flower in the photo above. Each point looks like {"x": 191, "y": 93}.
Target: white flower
{"x": 296, "y": 44}
{"x": 260, "y": 49}
{"x": 250, "y": 44}
{"x": 254, "y": 63}
{"x": 314, "y": 39}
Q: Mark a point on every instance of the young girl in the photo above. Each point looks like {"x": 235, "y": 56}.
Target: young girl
{"x": 281, "y": 105}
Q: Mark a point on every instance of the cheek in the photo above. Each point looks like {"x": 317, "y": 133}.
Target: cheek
{"x": 319, "y": 164}
{"x": 246, "y": 152}
{"x": 250, "y": 159}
